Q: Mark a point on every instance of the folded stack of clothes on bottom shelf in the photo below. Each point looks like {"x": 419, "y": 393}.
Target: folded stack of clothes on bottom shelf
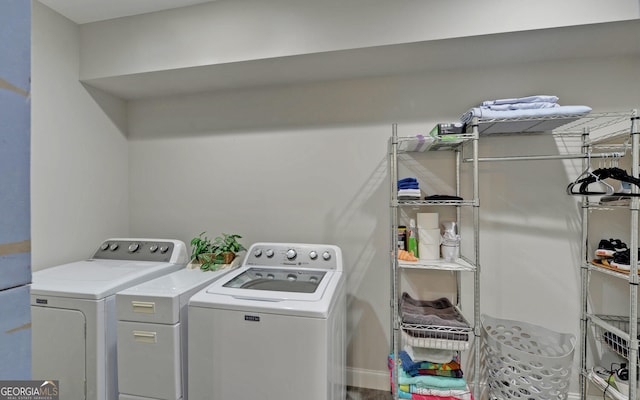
{"x": 408, "y": 189}
{"x": 421, "y": 378}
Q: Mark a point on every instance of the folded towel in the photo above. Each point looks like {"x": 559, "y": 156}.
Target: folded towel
{"x": 438, "y": 312}
{"x": 408, "y": 186}
{"x": 527, "y": 99}
{"x": 486, "y": 113}
{"x": 521, "y": 106}
{"x": 441, "y": 393}
{"x": 436, "y": 356}
{"x": 427, "y": 381}
{"x": 408, "y": 180}
{"x": 409, "y": 192}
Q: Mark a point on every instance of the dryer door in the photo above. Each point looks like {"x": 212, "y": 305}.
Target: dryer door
{"x": 58, "y": 340}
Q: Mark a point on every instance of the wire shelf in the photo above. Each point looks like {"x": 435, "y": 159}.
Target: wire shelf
{"x": 612, "y": 330}
{"x": 524, "y": 125}
{"x": 460, "y": 264}
{"x": 436, "y": 337}
{"x": 412, "y": 144}
{"x": 418, "y": 203}
{"x": 601, "y": 383}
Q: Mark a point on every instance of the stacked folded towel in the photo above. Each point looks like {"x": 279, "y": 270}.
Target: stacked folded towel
{"x": 408, "y": 189}
{"x": 433, "y": 380}
{"x": 523, "y": 107}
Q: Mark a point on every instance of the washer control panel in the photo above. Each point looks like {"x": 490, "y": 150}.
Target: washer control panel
{"x": 300, "y": 255}
{"x": 141, "y": 250}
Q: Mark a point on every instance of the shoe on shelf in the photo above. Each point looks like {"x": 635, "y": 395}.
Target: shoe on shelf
{"x": 622, "y": 260}
{"x": 608, "y": 248}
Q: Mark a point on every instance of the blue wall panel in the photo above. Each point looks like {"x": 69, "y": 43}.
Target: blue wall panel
{"x": 15, "y": 128}
{"x": 15, "y": 334}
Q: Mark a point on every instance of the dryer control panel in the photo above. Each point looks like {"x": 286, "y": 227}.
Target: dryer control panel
{"x": 301, "y": 255}
{"x": 171, "y": 251}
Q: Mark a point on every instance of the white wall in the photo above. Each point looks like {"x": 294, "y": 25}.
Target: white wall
{"x": 230, "y": 31}
{"x": 307, "y": 163}
{"x": 79, "y": 155}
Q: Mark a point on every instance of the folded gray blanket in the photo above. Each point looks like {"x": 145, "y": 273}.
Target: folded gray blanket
{"x": 438, "y": 312}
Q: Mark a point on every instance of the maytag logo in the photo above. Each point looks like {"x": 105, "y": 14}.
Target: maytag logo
{"x": 29, "y": 390}
{"x": 252, "y": 318}
{"x": 42, "y": 301}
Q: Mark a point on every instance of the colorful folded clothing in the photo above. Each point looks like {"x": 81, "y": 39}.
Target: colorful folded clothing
{"x": 451, "y": 369}
{"x": 427, "y": 381}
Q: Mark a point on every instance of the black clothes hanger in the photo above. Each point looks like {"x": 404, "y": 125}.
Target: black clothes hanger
{"x": 588, "y": 177}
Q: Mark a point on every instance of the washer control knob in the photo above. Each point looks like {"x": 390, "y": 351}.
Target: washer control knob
{"x": 133, "y": 247}
{"x": 313, "y": 254}
{"x": 164, "y": 249}
{"x": 291, "y": 254}
{"x": 269, "y": 253}
{"x": 257, "y": 253}
{"x": 113, "y": 247}
{"x": 326, "y": 255}
{"x": 153, "y": 248}
{"x": 104, "y": 246}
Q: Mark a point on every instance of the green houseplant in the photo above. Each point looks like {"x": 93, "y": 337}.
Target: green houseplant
{"x": 211, "y": 253}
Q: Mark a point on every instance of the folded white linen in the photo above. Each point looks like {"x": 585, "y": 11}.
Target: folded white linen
{"x": 409, "y": 192}
{"x": 527, "y": 99}
{"x": 522, "y": 106}
{"x": 432, "y": 355}
{"x": 485, "y": 113}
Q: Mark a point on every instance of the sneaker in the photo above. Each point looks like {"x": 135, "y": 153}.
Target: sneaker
{"x": 622, "y": 260}
{"x": 608, "y": 248}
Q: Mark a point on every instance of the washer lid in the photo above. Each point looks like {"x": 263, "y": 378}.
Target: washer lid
{"x": 95, "y": 279}
{"x": 274, "y": 284}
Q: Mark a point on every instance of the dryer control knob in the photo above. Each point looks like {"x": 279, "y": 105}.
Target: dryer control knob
{"x": 104, "y": 246}
{"x": 291, "y": 254}
{"x": 326, "y": 255}
{"x": 164, "y": 249}
{"x": 313, "y": 255}
{"x": 113, "y": 247}
{"x": 153, "y": 248}
{"x": 133, "y": 247}
{"x": 269, "y": 253}
{"x": 257, "y": 253}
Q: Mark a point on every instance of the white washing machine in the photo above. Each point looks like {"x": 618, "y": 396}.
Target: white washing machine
{"x": 152, "y": 334}
{"x": 273, "y": 330}
{"x": 74, "y": 315}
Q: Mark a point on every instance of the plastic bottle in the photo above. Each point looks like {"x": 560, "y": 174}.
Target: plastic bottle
{"x": 412, "y": 240}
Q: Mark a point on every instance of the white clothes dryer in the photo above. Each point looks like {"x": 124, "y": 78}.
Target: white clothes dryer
{"x": 152, "y": 334}
{"x": 273, "y": 329}
{"x": 74, "y": 315}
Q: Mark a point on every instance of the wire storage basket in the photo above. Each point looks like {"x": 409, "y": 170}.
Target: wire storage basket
{"x": 610, "y": 337}
{"x": 526, "y": 361}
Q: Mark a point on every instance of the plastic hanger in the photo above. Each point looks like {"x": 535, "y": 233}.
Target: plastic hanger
{"x": 588, "y": 177}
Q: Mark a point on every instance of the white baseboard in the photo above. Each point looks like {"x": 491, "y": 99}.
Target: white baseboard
{"x": 367, "y": 378}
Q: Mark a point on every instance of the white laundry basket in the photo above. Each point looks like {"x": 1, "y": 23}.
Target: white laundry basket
{"x": 526, "y": 361}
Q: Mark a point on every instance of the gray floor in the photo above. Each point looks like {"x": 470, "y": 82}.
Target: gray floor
{"x": 354, "y": 393}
